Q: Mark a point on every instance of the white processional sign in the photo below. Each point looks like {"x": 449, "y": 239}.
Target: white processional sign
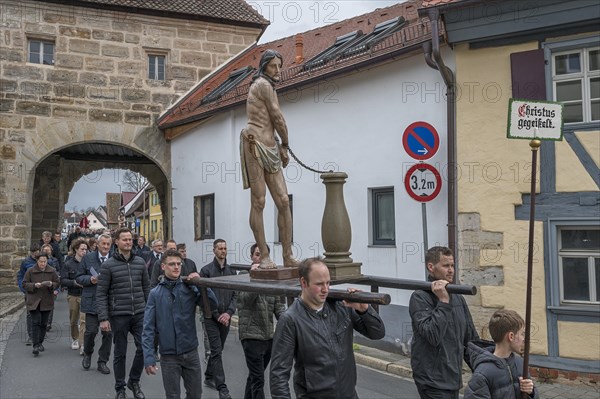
{"x": 532, "y": 119}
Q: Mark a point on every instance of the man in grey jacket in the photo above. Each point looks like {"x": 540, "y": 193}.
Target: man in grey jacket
{"x": 442, "y": 327}
{"x": 317, "y": 334}
{"x": 123, "y": 288}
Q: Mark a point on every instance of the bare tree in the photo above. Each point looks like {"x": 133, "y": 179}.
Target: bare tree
{"x": 134, "y": 181}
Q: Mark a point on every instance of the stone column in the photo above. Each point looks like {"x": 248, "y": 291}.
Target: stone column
{"x": 336, "y": 231}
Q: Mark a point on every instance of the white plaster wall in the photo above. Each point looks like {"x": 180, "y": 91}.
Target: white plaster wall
{"x": 352, "y": 124}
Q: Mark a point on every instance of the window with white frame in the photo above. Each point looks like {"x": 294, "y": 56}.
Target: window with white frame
{"x": 156, "y": 67}
{"x": 579, "y": 264}
{"x": 40, "y": 52}
{"x": 576, "y": 83}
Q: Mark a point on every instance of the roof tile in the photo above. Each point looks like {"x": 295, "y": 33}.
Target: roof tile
{"x": 231, "y": 10}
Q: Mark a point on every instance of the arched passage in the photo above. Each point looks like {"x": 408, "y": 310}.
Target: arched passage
{"x": 56, "y": 175}
{"x": 41, "y": 174}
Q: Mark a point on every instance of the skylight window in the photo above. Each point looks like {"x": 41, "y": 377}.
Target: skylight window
{"x": 232, "y": 81}
{"x": 341, "y": 44}
{"x": 381, "y": 31}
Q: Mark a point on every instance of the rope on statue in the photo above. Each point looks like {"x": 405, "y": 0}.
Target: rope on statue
{"x": 303, "y": 164}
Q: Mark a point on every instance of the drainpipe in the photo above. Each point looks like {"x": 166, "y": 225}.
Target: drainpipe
{"x": 434, "y": 59}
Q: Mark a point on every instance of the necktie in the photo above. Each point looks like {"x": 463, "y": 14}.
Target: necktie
{"x": 102, "y": 259}
{"x": 157, "y": 256}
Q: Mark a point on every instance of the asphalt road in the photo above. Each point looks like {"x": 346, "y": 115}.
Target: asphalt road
{"x": 57, "y": 372}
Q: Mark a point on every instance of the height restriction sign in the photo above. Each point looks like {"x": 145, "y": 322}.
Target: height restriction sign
{"x": 423, "y": 182}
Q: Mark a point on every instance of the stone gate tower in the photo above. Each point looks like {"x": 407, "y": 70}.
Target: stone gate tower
{"x": 81, "y": 86}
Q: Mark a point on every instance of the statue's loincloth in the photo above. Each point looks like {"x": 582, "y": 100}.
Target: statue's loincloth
{"x": 267, "y": 157}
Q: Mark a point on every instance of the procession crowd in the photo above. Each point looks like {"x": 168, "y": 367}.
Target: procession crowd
{"x": 116, "y": 285}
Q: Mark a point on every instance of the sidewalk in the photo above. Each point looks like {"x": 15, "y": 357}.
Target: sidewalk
{"x": 11, "y": 307}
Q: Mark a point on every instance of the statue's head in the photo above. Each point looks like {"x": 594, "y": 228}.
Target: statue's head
{"x": 270, "y": 66}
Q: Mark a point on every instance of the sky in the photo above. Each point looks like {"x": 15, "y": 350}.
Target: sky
{"x": 291, "y": 17}
{"x": 287, "y": 18}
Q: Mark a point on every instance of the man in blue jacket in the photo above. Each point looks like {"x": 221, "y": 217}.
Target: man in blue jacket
{"x": 87, "y": 275}
{"x": 170, "y": 314}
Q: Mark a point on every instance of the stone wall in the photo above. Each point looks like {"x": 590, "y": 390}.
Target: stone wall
{"x": 476, "y": 245}
{"x": 96, "y": 91}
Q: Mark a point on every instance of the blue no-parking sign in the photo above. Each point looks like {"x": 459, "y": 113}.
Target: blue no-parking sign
{"x": 420, "y": 140}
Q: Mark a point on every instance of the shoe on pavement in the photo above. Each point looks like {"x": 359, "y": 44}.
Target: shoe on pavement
{"x": 75, "y": 344}
{"x": 36, "y": 350}
{"x": 86, "y": 362}
{"x": 210, "y": 383}
{"x": 121, "y": 394}
{"x": 134, "y": 386}
{"x": 28, "y": 342}
{"x": 41, "y": 348}
{"x": 224, "y": 394}
{"x": 103, "y": 368}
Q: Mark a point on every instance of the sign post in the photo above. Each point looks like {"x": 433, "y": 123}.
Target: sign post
{"x": 535, "y": 120}
{"x": 423, "y": 183}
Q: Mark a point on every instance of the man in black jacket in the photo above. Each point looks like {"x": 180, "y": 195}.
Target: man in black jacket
{"x": 217, "y": 324}
{"x": 87, "y": 275}
{"x": 442, "y": 327}
{"x": 121, "y": 297}
{"x": 316, "y": 335}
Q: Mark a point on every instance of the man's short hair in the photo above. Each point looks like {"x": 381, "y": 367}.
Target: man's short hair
{"x": 306, "y": 265}
{"x": 171, "y": 240}
{"x": 504, "y": 321}
{"x": 170, "y": 252}
{"x": 253, "y": 247}
{"x": 105, "y": 235}
{"x": 121, "y": 231}
{"x": 42, "y": 254}
{"x": 434, "y": 254}
{"x": 218, "y": 241}
{"x": 46, "y": 234}
{"x": 181, "y": 246}
{"x": 156, "y": 242}
{"x": 46, "y": 246}
{"x": 34, "y": 247}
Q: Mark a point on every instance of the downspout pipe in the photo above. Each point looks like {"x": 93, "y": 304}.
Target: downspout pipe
{"x": 434, "y": 59}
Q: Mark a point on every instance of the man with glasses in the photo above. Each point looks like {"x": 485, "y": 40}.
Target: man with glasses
{"x": 170, "y": 314}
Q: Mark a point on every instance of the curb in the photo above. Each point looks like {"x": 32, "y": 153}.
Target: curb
{"x": 14, "y": 305}
{"x": 382, "y": 365}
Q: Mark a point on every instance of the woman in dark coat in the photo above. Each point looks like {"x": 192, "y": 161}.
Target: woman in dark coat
{"x": 39, "y": 282}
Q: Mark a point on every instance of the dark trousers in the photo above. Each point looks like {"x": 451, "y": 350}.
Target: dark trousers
{"x": 39, "y": 321}
{"x": 427, "y": 392}
{"x": 91, "y": 330}
{"x": 186, "y": 366}
{"x": 258, "y": 356}
{"x": 29, "y": 327}
{"x": 217, "y": 334}
{"x": 121, "y": 326}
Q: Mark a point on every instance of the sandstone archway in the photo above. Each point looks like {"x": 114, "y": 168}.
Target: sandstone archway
{"x": 46, "y": 170}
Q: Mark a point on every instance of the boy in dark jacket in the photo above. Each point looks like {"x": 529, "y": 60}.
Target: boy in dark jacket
{"x": 497, "y": 370}
{"x": 170, "y": 313}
